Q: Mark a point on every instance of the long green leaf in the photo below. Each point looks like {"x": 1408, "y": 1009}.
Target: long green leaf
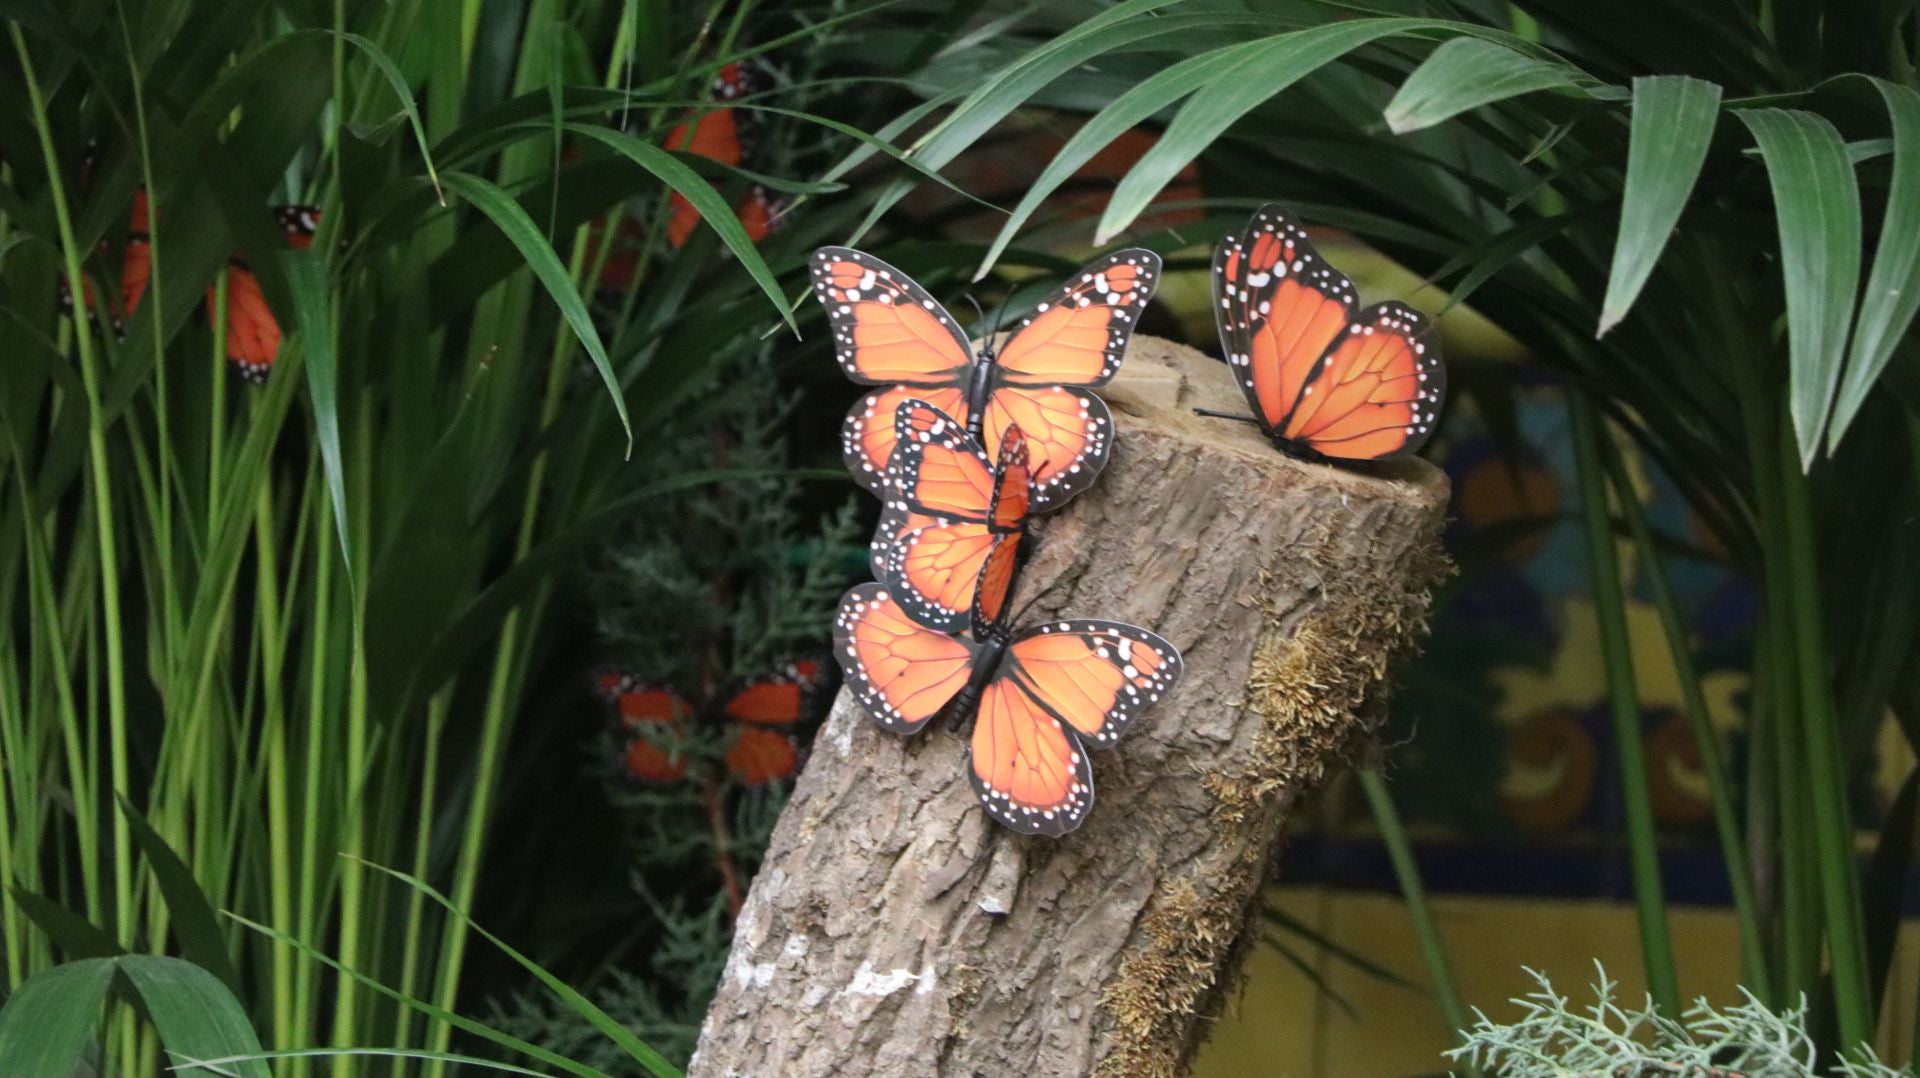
{"x": 1673, "y": 120}
{"x": 378, "y": 1053}
{"x": 520, "y": 230}
{"x": 76, "y": 936}
{"x": 313, "y": 313}
{"x": 712, "y": 208}
{"x": 196, "y": 1016}
{"x": 440, "y": 1014}
{"x": 1468, "y": 72}
{"x": 1235, "y": 90}
{"x": 391, "y": 72}
{"x": 1893, "y": 288}
{"x": 642, "y": 1053}
{"x": 201, "y": 940}
{"x": 1129, "y": 110}
{"x": 1817, "y": 204}
{"x": 50, "y": 1019}
{"x": 1009, "y": 88}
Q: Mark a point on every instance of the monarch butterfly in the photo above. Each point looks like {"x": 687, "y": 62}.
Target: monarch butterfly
{"x": 1324, "y": 379}
{"x": 253, "y": 336}
{"x": 1039, "y": 698}
{"x": 724, "y": 135}
{"x": 947, "y": 507}
{"x": 761, "y": 710}
{"x": 890, "y": 333}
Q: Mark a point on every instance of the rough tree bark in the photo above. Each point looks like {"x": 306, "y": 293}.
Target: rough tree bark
{"x": 894, "y": 930}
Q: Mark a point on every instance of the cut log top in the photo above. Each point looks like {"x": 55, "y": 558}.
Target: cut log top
{"x": 893, "y": 929}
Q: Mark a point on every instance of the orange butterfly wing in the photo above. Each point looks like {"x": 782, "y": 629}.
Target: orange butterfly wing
{"x": 1074, "y": 339}
{"x": 932, "y": 570}
{"x": 713, "y": 134}
{"x": 1377, "y": 392}
{"x": 1321, "y": 377}
{"x": 937, "y": 469}
{"x": 1029, "y": 772}
{"x": 1078, "y": 335}
{"x": 253, "y": 335}
{"x": 886, "y": 328}
{"x": 653, "y": 718}
{"x": 1279, "y": 306}
{"x": 937, "y": 533}
{"x": 900, "y": 672}
{"x": 998, "y": 574}
{"x": 772, "y": 702}
{"x": 1096, "y": 676}
{"x": 136, "y": 267}
{"x": 868, "y": 436}
{"x": 1069, "y": 435}
{"x": 759, "y": 757}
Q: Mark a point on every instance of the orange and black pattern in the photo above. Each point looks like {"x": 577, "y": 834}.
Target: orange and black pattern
{"x": 947, "y": 506}
{"x": 1324, "y": 379}
{"x": 889, "y": 332}
{"x": 762, "y": 713}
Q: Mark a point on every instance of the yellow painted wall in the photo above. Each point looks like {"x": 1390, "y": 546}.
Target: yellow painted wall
{"x": 1281, "y": 1026}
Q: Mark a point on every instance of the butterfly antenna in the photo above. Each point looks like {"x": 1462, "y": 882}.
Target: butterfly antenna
{"x": 977, "y": 312}
{"x": 1211, "y": 414}
{"x": 999, "y": 313}
{"x": 1020, "y": 616}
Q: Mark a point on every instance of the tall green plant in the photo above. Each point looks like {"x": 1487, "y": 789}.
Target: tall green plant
{"x": 294, "y": 624}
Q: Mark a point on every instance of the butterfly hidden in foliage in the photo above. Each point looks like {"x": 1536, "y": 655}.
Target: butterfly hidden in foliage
{"x": 889, "y": 332}
{"x": 763, "y": 713}
{"x": 947, "y": 507}
{"x": 1325, "y": 380}
{"x": 1039, "y": 697}
{"x": 252, "y": 334}
{"x": 726, "y": 135}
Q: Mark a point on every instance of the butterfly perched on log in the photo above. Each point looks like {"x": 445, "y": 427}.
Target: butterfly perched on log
{"x": 889, "y": 332}
{"x": 764, "y": 712}
{"x": 947, "y": 506}
{"x": 1039, "y": 697}
{"x": 1326, "y": 380}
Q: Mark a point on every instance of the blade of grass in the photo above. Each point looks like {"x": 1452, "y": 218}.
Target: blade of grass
{"x": 653, "y": 1061}
{"x": 201, "y": 941}
{"x": 1726, "y": 814}
{"x": 1672, "y": 126}
{"x": 1825, "y": 772}
{"x": 519, "y": 228}
{"x": 1623, "y": 703}
{"x": 465, "y": 1025}
{"x": 313, "y": 317}
{"x": 1234, "y": 91}
{"x": 1433, "y": 949}
{"x": 1817, "y": 206}
{"x": 712, "y": 208}
{"x": 1893, "y": 287}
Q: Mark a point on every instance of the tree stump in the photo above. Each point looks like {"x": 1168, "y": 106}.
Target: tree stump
{"x": 893, "y": 929}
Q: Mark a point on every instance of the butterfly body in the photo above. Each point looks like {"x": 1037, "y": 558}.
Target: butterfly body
{"x": 1038, "y": 697}
{"x": 1326, "y": 379}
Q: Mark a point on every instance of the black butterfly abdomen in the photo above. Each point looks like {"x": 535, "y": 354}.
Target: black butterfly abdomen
{"x": 979, "y": 381}
{"x": 986, "y": 663}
